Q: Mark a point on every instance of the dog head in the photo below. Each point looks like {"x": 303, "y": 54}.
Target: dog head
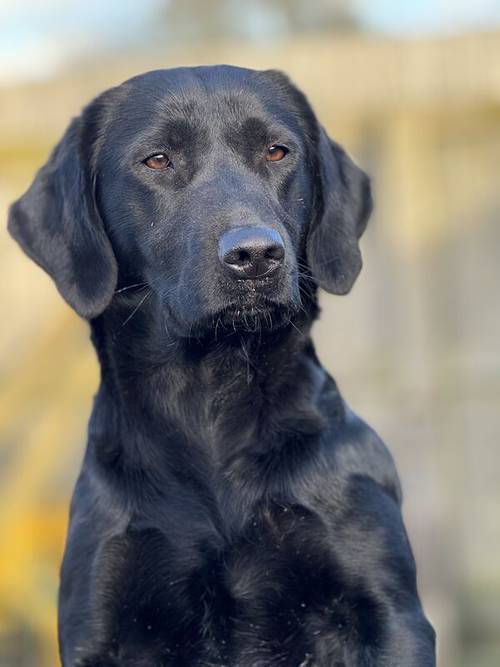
{"x": 215, "y": 187}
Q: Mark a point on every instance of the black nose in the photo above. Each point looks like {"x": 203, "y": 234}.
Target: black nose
{"x": 251, "y": 252}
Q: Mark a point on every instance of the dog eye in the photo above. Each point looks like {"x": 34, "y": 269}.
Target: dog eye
{"x": 158, "y": 161}
{"x": 276, "y": 153}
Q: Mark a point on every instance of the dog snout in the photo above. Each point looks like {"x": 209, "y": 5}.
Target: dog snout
{"x": 251, "y": 252}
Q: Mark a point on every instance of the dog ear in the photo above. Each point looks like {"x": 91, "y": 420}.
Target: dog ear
{"x": 57, "y": 224}
{"x": 345, "y": 204}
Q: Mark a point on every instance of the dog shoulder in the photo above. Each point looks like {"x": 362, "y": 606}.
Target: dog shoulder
{"x": 359, "y": 451}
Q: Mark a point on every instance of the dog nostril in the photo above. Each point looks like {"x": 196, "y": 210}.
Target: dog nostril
{"x": 243, "y": 257}
{"x": 235, "y": 257}
{"x": 276, "y": 252}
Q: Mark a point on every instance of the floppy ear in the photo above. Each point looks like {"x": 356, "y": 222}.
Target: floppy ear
{"x": 57, "y": 224}
{"x": 345, "y": 205}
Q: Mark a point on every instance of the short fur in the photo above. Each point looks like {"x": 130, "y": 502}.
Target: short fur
{"x": 231, "y": 509}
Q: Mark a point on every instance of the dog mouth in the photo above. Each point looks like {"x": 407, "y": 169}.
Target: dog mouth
{"x": 240, "y": 307}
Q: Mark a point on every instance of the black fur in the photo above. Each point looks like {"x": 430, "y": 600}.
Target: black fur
{"x": 231, "y": 509}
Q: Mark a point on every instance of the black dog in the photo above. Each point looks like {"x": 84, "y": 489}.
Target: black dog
{"x": 231, "y": 509}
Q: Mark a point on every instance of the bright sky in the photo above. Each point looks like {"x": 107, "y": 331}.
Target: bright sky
{"x": 413, "y": 17}
{"x": 39, "y": 37}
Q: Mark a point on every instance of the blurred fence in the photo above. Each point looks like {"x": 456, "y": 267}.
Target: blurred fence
{"x": 415, "y": 347}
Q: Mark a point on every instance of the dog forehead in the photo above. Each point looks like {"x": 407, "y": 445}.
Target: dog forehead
{"x": 198, "y": 96}
{"x": 204, "y": 83}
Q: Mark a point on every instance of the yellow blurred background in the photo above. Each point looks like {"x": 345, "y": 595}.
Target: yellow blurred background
{"x": 413, "y": 92}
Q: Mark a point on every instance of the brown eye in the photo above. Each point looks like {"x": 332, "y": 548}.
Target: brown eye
{"x": 158, "y": 161}
{"x": 276, "y": 153}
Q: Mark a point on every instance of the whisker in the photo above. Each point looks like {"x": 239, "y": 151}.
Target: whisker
{"x": 137, "y": 307}
{"x": 217, "y": 326}
{"x": 124, "y": 289}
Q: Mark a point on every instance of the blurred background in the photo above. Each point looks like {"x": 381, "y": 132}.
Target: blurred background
{"x": 413, "y": 92}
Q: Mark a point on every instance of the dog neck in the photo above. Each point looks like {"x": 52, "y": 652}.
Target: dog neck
{"x": 227, "y": 404}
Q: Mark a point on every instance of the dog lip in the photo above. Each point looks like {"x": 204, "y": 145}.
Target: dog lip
{"x": 262, "y": 279}
{"x": 264, "y": 285}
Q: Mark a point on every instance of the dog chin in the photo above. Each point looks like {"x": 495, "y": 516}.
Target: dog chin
{"x": 246, "y": 319}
